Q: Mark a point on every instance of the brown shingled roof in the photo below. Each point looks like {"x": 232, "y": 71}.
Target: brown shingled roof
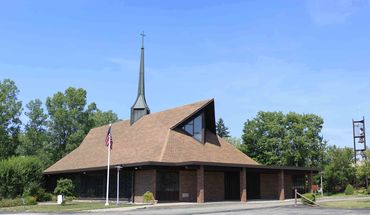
{"x": 150, "y": 139}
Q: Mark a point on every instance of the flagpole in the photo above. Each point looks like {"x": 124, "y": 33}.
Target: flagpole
{"x": 108, "y": 148}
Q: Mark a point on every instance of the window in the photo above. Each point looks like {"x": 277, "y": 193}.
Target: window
{"x": 195, "y": 127}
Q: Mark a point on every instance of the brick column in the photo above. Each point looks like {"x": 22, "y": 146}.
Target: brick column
{"x": 281, "y": 185}
{"x": 200, "y": 184}
{"x": 243, "y": 185}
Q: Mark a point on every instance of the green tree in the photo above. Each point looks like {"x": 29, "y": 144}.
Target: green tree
{"x": 363, "y": 170}
{"x": 100, "y": 118}
{"x": 69, "y": 120}
{"x": 35, "y": 135}
{"x": 339, "y": 170}
{"x": 10, "y": 109}
{"x": 273, "y": 138}
{"x": 221, "y": 129}
{"x": 236, "y": 141}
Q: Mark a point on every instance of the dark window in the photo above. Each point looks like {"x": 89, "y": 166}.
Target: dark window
{"x": 299, "y": 183}
{"x": 195, "y": 127}
{"x": 167, "y": 185}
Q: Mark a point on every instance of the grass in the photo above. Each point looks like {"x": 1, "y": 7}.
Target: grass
{"x": 54, "y": 208}
{"x": 349, "y": 204}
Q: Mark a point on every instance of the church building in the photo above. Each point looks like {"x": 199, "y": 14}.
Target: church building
{"x": 175, "y": 154}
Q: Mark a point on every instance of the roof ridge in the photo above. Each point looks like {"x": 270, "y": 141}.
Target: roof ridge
{"x": 164, "y": 145}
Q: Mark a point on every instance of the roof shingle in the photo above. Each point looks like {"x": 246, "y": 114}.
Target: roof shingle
{"x": 150, "y": 139}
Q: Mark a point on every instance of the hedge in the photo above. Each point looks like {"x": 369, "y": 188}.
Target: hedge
{"x": 17, "y": 174}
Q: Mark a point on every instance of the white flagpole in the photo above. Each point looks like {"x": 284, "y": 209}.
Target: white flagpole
{"x": 106, "y": 199}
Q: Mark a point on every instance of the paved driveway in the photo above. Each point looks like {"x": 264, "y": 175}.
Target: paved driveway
{"x": 235, "y": 208}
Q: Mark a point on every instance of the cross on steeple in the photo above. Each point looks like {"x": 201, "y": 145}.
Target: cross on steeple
{"x": 142, "y": 39}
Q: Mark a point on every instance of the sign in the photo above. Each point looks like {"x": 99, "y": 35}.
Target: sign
{"x": 315, "y": 187}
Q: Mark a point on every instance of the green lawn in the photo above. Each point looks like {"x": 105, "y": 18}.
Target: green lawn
{"x": 69, "y": 207}
{"x": 347, "y": 204}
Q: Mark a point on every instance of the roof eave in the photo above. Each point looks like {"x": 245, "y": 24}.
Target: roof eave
{"x": 189, "y": 163}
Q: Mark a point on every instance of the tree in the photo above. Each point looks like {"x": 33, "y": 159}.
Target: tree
{"x": 10, "y": 110}
{"x": 100, "y": 118}
{"x": 339, "y": 170}
{"x": 236, "y": 141}
{"x": 69, "y": 120}
{"x": 35, "y": 135}
{"x": 221, "y": 129}
{"x": 363, "y": 170}
{"x": 273, "y": 138}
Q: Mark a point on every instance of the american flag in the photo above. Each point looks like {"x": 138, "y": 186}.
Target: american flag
{"x": 108, "y": 138}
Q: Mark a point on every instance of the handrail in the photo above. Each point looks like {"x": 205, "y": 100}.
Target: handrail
{"x": 302, "y": 196}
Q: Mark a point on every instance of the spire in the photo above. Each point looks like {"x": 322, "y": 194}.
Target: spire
{"x": 140, "y": 107}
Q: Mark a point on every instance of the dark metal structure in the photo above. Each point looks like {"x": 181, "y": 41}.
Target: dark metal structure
{"x": 140, "y": 107}
{"x": 359, "y": 142}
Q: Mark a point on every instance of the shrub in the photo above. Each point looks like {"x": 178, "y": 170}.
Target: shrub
{"x": 30, "y": 200}
{"x": 368, "y": 190}
{"x": 31, "y": 189}
{"x": 349, "y": 190}
{"x": 64, "y": 187}
{"x": 17, "y": 173}
{"x": 148, "y": 197}
{"x": 10, "y": 202}
{"x": 43, "y": 196}
{"x": 309, "y": 196}
{"x": 34, "y": 189}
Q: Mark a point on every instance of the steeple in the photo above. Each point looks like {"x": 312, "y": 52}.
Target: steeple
{"x": 140, "y": 107}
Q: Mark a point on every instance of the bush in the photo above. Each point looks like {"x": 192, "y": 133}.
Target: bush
{"x": 43, "y": 196}
{"x": 349, "y": 190}
{"x": 64, "y": 187}
{"x": 31, "y": 189}
{"x": 17, "y": 173}
{"x": 34, "y": 189}
{"x": 148, "y": 197}
{"x": 30, "y": 200}
{"x": 309, "y": 196}
{"x": 368, "y": 190}
{"x": 10, "y": 202}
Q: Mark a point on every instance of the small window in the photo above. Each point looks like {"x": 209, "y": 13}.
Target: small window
{"x": 195, "y": 128}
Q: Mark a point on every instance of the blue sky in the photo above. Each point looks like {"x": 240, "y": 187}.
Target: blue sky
{"x": 302, "y": 56}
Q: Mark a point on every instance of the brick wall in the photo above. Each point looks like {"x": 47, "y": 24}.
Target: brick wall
{"x": 145, "y": 180}
{"x": 188, "y": 186}
{"x": 214, "y": 186}
{"x": 288, "y": 187}
{"x": 269, "y": 186}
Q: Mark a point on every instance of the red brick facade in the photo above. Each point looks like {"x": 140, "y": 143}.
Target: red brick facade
{"x": 214, "y": 186}
{"x": 204, "y": 186}
{"x": 269, "y": 186}
{"x": 188, "y": 185}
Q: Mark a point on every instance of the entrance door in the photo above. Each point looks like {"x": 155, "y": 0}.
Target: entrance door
{"x": 232, "y": 185}
{"x": 167, "y": 186}
{"x": 253, "y": 186}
